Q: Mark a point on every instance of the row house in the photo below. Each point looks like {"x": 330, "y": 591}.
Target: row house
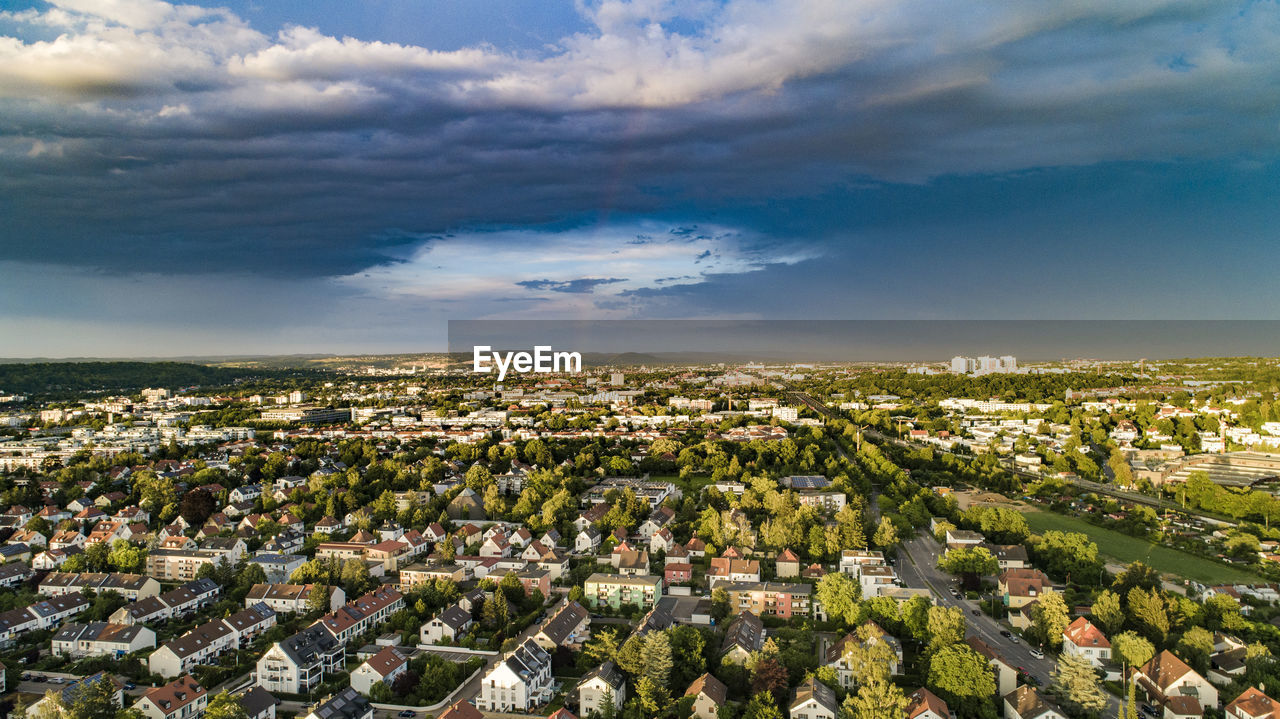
{"x": 361, "y": 615}
{"x": 130, "y": 586}
{"x": 99, "y": 639}
{"x": 41, "y": 615}
{"x": 293, "y": 598}
{"x": 188, "y": 598}
{"x": 202, "y": 644}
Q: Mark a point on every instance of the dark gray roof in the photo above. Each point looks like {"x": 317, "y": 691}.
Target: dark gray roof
{"x": 347, "y": 704}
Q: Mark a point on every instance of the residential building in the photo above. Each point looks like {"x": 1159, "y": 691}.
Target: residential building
{"x": 299, "y": 663}
{"x": 613, "y": 591}
{"x": 769, "y": 598}
{"x": 815, "y": 700}
{"x": 927, "y": 705}
{"x": 837, "y": 653}
{"x": 346, "y": 704}
{"x": 520, "y": 681}
{"x": 1253, "y": 704}
{"x": 99, "y": 639}
{"x": 709, "y": 696}
{"x": 743, "y": 637}
{"x": 383, "y": 667}
{"x": 293, "y": 598}
{"x": 601, "y": 686}
{"x": 182, "y": 698}
{"x": 1083, "y": 639}
{"x": 1166, "y": 676}
{"x": 1026, "y": 703}
{"x": 449, "y": 624}
{"x": 204, "y": 643}
{"x": 571, "y": 626}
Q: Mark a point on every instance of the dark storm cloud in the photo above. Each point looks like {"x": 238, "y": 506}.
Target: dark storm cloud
{"x": 579, "y": 286}
{"x": 186, "y": 139}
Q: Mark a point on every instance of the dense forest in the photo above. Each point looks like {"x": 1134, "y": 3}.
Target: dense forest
{"x": 56, "y": 377}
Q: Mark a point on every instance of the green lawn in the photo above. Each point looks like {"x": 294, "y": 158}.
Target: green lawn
{"x": 1126, "y": 549}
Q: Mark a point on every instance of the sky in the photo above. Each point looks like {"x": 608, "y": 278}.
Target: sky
{"x": 349, "y": 175}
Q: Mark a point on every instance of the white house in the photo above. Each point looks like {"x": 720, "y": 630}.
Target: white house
{"x": 383, "y": 667}
{"x": 1083, "y": 639}
{"x": 520, "y": 681}
{"x": 179, "y": 699}
{"x": 815, "y": 700}
{"x": 451, "y": 624}
{"x": 603, "y": 685}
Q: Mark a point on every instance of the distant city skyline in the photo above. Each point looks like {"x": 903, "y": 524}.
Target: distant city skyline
{"x": 300, "y": 177}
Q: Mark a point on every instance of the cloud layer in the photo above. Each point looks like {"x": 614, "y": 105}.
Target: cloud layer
{"x": 139, "y": 135}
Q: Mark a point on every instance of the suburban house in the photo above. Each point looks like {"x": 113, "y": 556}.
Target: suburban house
{"x": 98, "y": 639}
{"x": 361, "y": 615}
{"x": 709, "y": 695}
{"x": 299, "y": 663}
{"x": 1006, "y": 674}
{"x": 1026, "y": 703}
{"x": 179, "y": 699}
{"x": 519, "y": 681}
{"x": 1083, "y": 639}
{"x": 383, "y": 667}
{"x": 1166, "y": 677}
{"x": 1253, "y": 704}
{"x": 815, "y": 700}
{"x": 202, "y": 644}
{"x": 450, "y": 624}
{"x": 293, "y": 598}
{"x": 570, "y": 626}
{"x": 601, "y": 686}
{"x": 927, "y": 705}
{"x": 837, "y": 652}
{"x": 346, "y": 704}
{"x": 744, "y": 636}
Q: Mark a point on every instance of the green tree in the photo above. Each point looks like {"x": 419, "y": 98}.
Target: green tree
{"x": 1051, "y": 617}
{"x": 93, "y": 700}
{"x": 964, "y": 680}
{"x": 1107, "y": 610}
{"x": 970, "y": 564}
{"x": 838, "y": 593}
{"x": 657, "y": 657}
{"x": 1148, "y": 610}
{"x": 602, "y": 646}
{"x": 1132, "y": 649}
{"x": 877, "y": 698}
{"x": 1076, "y": 685}
{"x": 762, "y": 706}
{"x": 1194, "y": 648}
{"x": 225, "y": 706}
{"x": 886, "y": 535}
{"x": 946, "y": 627}
{"x": 318, "y": 601}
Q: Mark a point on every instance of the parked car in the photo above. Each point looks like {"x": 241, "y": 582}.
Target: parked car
{"x": 976, "y": 612}
{"x": 1037, "y": 654}
{"x": 1005, "y": 633}
{"x": 406, "y": 713}
{"x": 130, "y": 686}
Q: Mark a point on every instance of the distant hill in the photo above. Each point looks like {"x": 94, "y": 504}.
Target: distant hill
{"x": 46, "y": 377}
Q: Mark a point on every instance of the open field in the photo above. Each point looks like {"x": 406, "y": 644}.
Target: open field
{"x": 1126, "y": 549}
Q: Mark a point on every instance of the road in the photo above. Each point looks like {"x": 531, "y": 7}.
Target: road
{"x": 919, "y": 568}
